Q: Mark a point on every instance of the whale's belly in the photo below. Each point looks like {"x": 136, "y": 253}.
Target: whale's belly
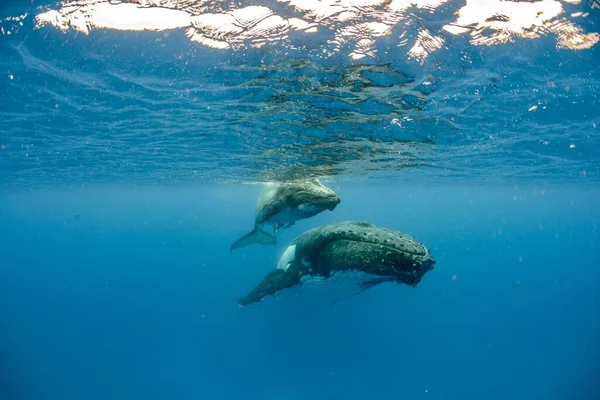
{"x": 289, "y": 215}
{"x": 339, "y": 287}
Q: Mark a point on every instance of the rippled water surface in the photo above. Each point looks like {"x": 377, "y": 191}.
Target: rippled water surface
{"x": 187, "y": 92}
{"x": 133, "y": 134}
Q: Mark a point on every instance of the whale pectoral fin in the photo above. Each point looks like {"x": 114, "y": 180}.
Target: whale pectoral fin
{"x": 257, "y": 236}
{"x": 368, "y": 284}
{"x": 274, "y": 282}
{"x": 362, "y": 287}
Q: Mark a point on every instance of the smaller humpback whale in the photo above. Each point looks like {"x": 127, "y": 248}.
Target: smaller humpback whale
{"x": 282, "y": 204}
{"x": 349, "y": 249}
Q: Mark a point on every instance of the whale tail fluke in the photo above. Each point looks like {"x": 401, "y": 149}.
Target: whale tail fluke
{"x": 257, "y": 236}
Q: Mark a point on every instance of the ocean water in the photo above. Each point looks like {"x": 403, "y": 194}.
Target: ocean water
{"x": 135, "y": 137}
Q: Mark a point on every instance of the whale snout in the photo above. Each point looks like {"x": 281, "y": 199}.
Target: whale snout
{"x": 321, "y": 198}
{"x": 329, "y": 201}
{"x": 333, "y": 203}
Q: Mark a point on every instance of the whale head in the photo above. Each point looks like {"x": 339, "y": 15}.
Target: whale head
{"x": 313, "y": 196}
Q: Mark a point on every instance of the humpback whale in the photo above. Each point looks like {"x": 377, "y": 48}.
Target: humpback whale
{"x": 375, "y": 254}
{"x": 282, "y": 204}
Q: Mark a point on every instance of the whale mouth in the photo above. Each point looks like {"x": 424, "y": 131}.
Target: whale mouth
{"x": 326, "y": 203}
{"x": 333, "y": 204}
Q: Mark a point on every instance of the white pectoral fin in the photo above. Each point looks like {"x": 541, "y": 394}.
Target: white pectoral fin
{"x": 256, "y": 236}
{"x": 287, "y": 258}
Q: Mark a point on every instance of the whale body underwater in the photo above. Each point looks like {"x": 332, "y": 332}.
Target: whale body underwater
{"x": 353, "y": 249}
{"x": 282, "y": 204}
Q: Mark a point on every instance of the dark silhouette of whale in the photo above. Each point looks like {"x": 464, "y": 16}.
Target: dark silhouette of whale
{"x": 359, "y": 249}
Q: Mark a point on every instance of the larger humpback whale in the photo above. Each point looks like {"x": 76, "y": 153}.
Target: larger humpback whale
{"x": 359, "y": 250}
{"x": 282, "y": 204}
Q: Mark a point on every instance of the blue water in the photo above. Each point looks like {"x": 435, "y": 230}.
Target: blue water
{"x": 130, "y": 161}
